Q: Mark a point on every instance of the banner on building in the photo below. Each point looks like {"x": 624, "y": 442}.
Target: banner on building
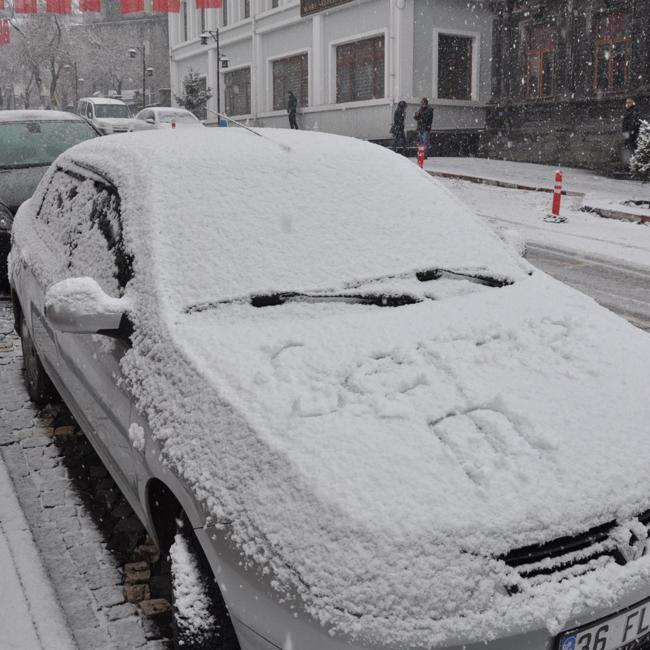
{"x": 58, "y": 7}
{"x": 131, "y": 6}
{"x": 209, "y": 4}
{"x": 26, "y": 6}
{"x": 4, "y": 31}
{"x": 308, "y": 7}
{"x": 169, "y": 6}
{"x": 90, "y": 5}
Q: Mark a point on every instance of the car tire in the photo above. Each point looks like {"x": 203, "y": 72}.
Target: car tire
{"x": 39, "y": 386}
{"x": 200, "y": 617}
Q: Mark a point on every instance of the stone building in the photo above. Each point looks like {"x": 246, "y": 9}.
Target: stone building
{"x": 561, "y": 72}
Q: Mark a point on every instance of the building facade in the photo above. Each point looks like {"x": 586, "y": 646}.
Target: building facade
{"x": 562, "y": 71}
{"x": 348, "y": 62}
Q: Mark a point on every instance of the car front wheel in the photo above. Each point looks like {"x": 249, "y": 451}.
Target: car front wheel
{"x": 39, "y": 386}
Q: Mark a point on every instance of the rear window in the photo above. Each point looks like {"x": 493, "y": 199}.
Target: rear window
{"x": 177, "y": 117}
{"x": 34, "y": 143}
{"x": 111, "y": 110}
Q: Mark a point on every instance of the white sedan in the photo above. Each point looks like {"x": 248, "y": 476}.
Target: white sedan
{"x": 161, "y": 117}
{"x": 315, "y": 372}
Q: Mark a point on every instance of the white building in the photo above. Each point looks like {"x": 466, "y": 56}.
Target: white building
{"x": 347, "y": 61}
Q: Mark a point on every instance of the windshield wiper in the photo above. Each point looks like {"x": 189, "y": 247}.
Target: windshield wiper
{"x": 376, "y": 299}
{"x": 282, "y": 297}
{"x": 435, "y": 274}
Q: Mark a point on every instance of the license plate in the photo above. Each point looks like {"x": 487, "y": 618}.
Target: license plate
{"x": 626, "y": 630}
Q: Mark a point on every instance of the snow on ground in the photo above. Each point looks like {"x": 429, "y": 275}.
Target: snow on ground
{"x": 30, "y": 616}
{"x": 584, "y": 232}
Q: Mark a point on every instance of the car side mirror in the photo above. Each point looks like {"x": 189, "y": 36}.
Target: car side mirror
{"x": 79, "y": 305}
{"x": 150, "y": 120}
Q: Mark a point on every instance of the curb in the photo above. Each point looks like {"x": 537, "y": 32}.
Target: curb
{"x": 607, "y": 213}
{"x": 498, "y": 183}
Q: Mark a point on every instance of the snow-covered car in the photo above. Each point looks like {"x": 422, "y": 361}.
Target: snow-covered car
{"x": 382, "y": 427}
{"x": 163, "y": 117}
{"x": 108, "y": 115}
{"x": 29, "y": 141}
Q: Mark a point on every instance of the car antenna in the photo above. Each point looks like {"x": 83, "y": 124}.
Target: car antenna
{"x": 248, "y": 128}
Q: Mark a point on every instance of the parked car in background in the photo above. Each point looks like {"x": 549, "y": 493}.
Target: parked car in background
{"x": 350, "y": 414}
{"x": 106, "y": 114}
{"x": 162, "y": 117}
{"x": 29, "y": 141}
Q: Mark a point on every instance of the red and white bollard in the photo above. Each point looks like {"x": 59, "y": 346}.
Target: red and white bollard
{"x": 421, "y": 155}
{"x": 554, "y": 216}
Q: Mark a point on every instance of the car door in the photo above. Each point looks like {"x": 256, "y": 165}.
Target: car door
{"x": 93, "y": 378}
{"x": 51, "y": 226}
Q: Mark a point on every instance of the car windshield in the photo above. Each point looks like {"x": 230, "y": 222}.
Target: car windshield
{"x": 34, "y": 143}
{"x": 111, "y": 110}
{"x": 186, "y": 118}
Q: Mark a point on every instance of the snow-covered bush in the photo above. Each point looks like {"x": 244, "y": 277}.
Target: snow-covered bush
{"x": 640, "y": 161}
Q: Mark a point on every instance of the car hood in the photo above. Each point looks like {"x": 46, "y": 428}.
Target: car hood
{"x": 114, "y": 121}
{"x": 417, "y": 441}
{"x": 17, "y": 185}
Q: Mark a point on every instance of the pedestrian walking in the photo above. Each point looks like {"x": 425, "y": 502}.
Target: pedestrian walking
{"x": 397, "y": 128}
{"x": 424, "y": 121}
{"x": 631, "y": 126}
{"x": 292, "y": 107}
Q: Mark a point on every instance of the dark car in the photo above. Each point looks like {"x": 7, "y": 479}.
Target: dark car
{"x": 29, "y": 143}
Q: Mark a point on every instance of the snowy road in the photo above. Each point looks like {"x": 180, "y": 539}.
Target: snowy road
{"x": 623, "y": 288}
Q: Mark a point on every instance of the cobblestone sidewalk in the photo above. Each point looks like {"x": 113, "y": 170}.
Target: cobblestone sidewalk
{"x": 86, "y": 533}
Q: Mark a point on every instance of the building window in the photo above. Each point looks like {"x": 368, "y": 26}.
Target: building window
{"x": 224, "y": 13}
{"x": 612, "y": 51}
{"x": 238, "y": 91}
{"x": 275, "y": 4}
{"x": 184, "y": 25}
{"x": 360, "y": 70}
{"x": 541, "y": 62}
{"x": 247, "y": 8}
{"x": 455, "y": 66}
{"x": 202, "y": 19}
{"x": 290, "y": 74}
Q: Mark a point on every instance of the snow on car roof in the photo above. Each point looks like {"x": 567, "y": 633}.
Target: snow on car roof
{"x": 102, "y": 100}
{"x": 245, "y": 214}
{"x": 38, "y": 115}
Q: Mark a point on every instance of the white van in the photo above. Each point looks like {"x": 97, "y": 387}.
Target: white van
{"x": 108, "y": 115}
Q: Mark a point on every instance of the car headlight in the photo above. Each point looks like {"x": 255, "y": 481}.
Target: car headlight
{"x": 6, "y": 218}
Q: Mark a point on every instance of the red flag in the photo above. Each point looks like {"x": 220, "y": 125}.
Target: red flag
{"x": 131, "y": 6}
{"x": 58, "y": 6}
{"x": 209, "y": 4}
{"x": 170, "y": 6}
{"x": 4, "y": 31}
{"x": 26, "y": 6}
{"x": 90, "y": 5}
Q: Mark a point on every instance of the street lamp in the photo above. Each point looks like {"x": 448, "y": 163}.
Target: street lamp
{"x": 146, "y": 72}
{"x": 73, "y": 66}
{"x": 222, "y": 62}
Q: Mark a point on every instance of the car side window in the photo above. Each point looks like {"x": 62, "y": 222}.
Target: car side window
{"x": 52, "y": 221}
{"x": 97, "y": 245}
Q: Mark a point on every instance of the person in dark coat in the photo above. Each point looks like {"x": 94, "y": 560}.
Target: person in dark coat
{"x": 424, "y": 121}
{"x": 631, "y": 124}
{"x": 292, "y": 107}
{"x": 397, "y": 128}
